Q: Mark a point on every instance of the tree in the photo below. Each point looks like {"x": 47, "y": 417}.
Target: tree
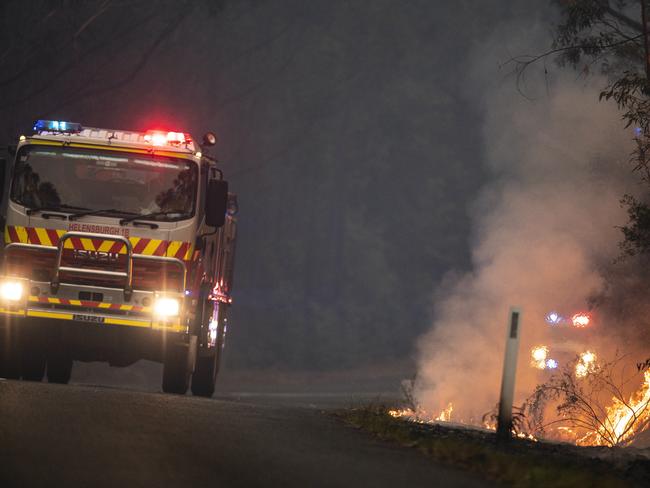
{"x": 57, "y": 53}
{"x": 612, "y": 37}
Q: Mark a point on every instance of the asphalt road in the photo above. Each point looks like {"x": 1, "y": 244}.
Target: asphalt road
{"x": 54, "y": 435}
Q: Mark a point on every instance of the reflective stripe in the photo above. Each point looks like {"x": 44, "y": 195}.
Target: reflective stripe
{"x": 49, "y": 315}
{"x": 10, "y": 311}
{"x": 141, "y": 245}
{"x": 133, "y": 323}
{"x": 43, "y": 237}
{"x": 175, "y": 327}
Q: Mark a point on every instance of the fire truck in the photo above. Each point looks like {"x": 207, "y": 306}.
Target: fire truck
{"x": 118, "y": 246}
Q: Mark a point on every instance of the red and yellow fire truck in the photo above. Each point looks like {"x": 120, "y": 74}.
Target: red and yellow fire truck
{"x": 118, "y": 246}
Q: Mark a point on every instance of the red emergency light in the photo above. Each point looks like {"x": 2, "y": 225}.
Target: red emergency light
{"x": 163, "y": 138}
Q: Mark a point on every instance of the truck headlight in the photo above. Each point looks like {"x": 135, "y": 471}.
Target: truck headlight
{"x": 11, "y": 291}
{"x": 166, "y": 307}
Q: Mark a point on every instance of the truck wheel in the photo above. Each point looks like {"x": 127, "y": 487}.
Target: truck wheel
{"x": 10, "y": 362}
{"x": 207, "y": 361}
{"x": 205, "y": 373}
{"x": 176, "y": 370}
{"x": 59, "y": 368}
{"x": 33, "y": 354}
{"x": 33, "y": 365}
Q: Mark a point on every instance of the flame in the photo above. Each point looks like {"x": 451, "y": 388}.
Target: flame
{"x": 409, "y": 414}
{"x": 620, "y": 423}
{"x": 623, "y": 419}
{"x": 490, "y": 425}
{"x": 586, "y": 364}
{"x": 422, "y": 416}
{"x": 524, "y": 435}
{"x": 445, "y": 415}
{"x": 406, "y": 412}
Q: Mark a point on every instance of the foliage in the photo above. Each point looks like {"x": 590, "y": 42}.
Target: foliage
{"x": 599, "y": 32}
{"x": 584, "y": 405}
{"x": 607, "y": 36}
{"x": 637, "y": 231}
{"x": 523, "y": 422}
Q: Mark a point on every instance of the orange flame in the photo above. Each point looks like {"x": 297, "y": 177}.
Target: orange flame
{"x": 624, "y": 419}
{"x": 445, "y": 415}
{"x": 586, "y": 364}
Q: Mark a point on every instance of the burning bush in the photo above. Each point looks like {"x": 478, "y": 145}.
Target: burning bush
{"x": 597, "y": 408}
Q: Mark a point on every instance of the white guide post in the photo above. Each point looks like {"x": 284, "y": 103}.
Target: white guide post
{"x": 504, "y": 425}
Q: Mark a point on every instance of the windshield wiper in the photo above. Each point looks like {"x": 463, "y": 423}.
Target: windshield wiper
{"x": 86, "y": 212}
{"x": 148, "y": 216}
{"x": 60, "y": 208}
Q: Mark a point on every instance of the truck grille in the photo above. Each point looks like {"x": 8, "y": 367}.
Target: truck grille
{"x": 38, "y": 264}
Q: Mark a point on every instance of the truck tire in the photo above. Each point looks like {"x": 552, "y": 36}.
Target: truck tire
{"x": 10, "y": 362}
{"x": 33, "y": 364}
{"x": 176, "y": 370}
{"x": 33, "y": 353}
{"x": 205, "y": 373}
{"x": 59, "y": 367}
{"x": 59, "y": 370}
{"x": 208, "y": 358}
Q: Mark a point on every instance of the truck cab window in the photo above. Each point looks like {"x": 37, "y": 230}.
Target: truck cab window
{"x": 94, "y": 180}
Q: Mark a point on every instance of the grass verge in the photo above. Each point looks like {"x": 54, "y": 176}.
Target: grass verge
{"x": 519, "y": 462}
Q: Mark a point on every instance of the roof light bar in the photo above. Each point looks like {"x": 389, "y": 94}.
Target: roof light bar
{"x": 56, "y": 126}
{"x": 163, "y": 138}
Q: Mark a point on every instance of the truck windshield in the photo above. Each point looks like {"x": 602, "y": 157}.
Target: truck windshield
{"x": 124, "y": 183}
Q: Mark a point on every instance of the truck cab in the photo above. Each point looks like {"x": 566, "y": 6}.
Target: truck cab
{"x": 118, "y": 246}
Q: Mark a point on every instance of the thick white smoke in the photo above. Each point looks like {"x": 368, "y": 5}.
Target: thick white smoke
{"x": 545, "y": 222}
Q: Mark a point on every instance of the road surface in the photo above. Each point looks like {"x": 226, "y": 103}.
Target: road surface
{"x": 55, "y": 435}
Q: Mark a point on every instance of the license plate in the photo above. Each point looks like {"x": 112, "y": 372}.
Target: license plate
{"x": 88, "y": 318}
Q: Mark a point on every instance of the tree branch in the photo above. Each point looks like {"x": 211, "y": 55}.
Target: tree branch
{"x": 528, "y": 59}
{"x": 620, "y": 17}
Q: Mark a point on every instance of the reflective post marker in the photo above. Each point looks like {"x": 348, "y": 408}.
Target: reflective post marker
{"x": 504, "y": 425}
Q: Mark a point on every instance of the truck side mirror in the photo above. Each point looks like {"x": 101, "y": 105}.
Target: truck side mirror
{"x": 216, "y": 202}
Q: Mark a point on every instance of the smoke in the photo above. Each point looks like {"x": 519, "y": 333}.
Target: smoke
{"x": 544, "y": 224}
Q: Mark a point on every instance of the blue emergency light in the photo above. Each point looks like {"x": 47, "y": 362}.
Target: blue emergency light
{"x": 56, "y": 126}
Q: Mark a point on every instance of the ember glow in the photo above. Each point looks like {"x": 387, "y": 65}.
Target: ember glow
{"x": 581, "y": 320}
